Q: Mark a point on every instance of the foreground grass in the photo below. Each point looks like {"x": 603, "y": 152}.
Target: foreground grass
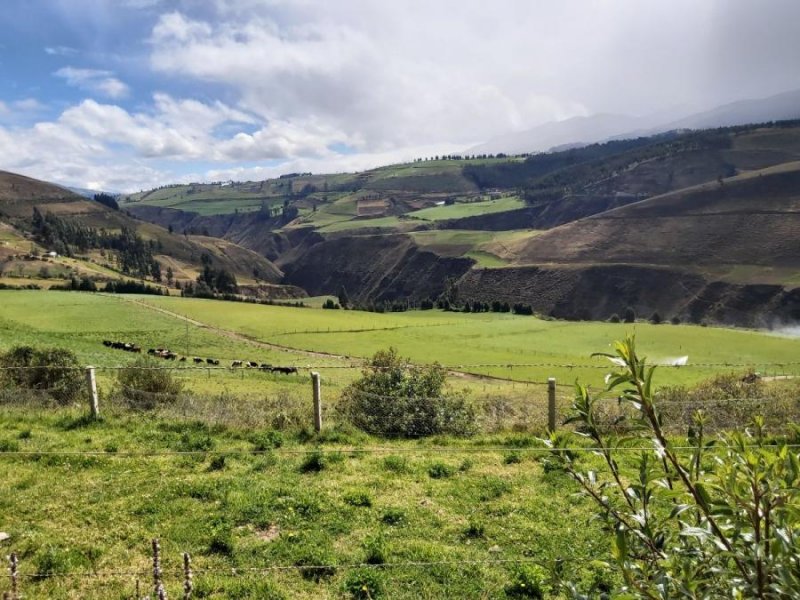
{"x": 236, "y": 503}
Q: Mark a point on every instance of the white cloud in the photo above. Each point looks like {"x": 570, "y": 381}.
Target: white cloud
{"x": 60, "y": 51}
{"x": 372, "y": 81}
{"x": 95, "y": 80}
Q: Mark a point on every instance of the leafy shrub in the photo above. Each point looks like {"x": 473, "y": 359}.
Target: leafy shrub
{"x": 55, "y": 371}
{"x": 397, "y": 399}
{"x": 731, "y": 531}
{"x": 145, "y": 384}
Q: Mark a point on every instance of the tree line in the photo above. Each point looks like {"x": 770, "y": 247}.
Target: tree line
{"x": 134, "y": 255}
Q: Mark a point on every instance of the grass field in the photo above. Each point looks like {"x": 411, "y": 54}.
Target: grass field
{"x": 257, "y": 508}
{"x": 471, "y": 509}
{"x": 467, "y": 209}
{"x": 82, "y": 321}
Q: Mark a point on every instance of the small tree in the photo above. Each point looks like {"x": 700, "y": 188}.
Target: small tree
{"x": 685, "y": 526}
{"x": 145, "y": 384}
{"x": 630, "y": 315}
{"x": 397, "y": 399}
{"x": 54, "y": 371}
{"x": 655, "y": 318}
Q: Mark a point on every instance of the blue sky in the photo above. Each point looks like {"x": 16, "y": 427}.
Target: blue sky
{"x": 130, "y": 94}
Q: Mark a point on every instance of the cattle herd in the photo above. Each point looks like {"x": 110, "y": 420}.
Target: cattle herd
{"x": 170, "y": 355}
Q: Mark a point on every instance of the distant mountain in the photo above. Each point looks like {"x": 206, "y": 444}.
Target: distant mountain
{"x": 574, "y": 131}
{"x": 775, "y": 108}
{"x": 598, "y": 128}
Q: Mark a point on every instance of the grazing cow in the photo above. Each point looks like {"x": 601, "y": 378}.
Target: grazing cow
{"x": 107, "y": 343}
{"x": 265, "y": 367}
{"x": 252, "y": 365}
{"x": 170, "y": 355}
{"x": 136, "y": 350}
{"x": 284, "y": 370}
{"x": 152, "y": 351}
{"x": 182, "y": 359}
{"x": 212, "y": 361}
{"x": 236, "y": 363}
{"x": 197, "y": 360}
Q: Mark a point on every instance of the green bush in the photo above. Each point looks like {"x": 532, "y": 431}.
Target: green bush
{"x": 54, "y": 371}
{"x": 145, "y": 384}
{"x": 397, "y": 399}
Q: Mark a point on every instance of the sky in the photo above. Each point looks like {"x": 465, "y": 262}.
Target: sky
{"x": 125, "y": 95}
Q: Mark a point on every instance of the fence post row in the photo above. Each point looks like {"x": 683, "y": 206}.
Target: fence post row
{"x": 551, "y": 404}
{"x": 92, "y": 383}
{"x": 315, "y": 380}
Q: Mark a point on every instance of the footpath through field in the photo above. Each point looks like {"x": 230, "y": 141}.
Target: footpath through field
{"x": 233, "y": 335}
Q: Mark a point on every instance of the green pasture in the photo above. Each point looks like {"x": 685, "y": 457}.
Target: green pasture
{"x": 239, "y": 504}
{"x": 234, "y": 331}
{"x": 455, "y": 339}
{"x": 468, "y": 209}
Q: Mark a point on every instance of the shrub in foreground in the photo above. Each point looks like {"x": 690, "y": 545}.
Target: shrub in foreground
{"x": 146, "y": 384}
{"x": 54, "y": 371}
{"x": 397, "y": 399}
{"x": 731, "y": 531}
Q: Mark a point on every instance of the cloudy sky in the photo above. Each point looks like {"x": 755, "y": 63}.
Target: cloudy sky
{"x": 125, "y": 95}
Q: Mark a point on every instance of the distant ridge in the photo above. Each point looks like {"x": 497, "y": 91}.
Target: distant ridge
{"x": 603, "y": 127}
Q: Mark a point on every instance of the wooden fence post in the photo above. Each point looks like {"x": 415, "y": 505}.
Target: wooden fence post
{"x": 551, "y": 404}
{"x": 92, "y": 383}
{"x": 317, "y": 401}
{"x": 12, "y": 569}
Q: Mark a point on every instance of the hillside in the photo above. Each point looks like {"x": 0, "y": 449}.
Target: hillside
{"x": 579, "y": 233}
{"x": 19, "y": 196}
{"x": 750, "y": 219}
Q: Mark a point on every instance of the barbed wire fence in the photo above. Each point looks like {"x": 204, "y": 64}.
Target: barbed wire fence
{"x": 540, "y": 403}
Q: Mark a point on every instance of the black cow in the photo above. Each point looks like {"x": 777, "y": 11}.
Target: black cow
{"x": 212, "y": 361}
{"x": 236, "y": 363}
{"x": 284, "y": 370}
{"x": 197, "y": 360}
{"x": 252, "y": 364}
